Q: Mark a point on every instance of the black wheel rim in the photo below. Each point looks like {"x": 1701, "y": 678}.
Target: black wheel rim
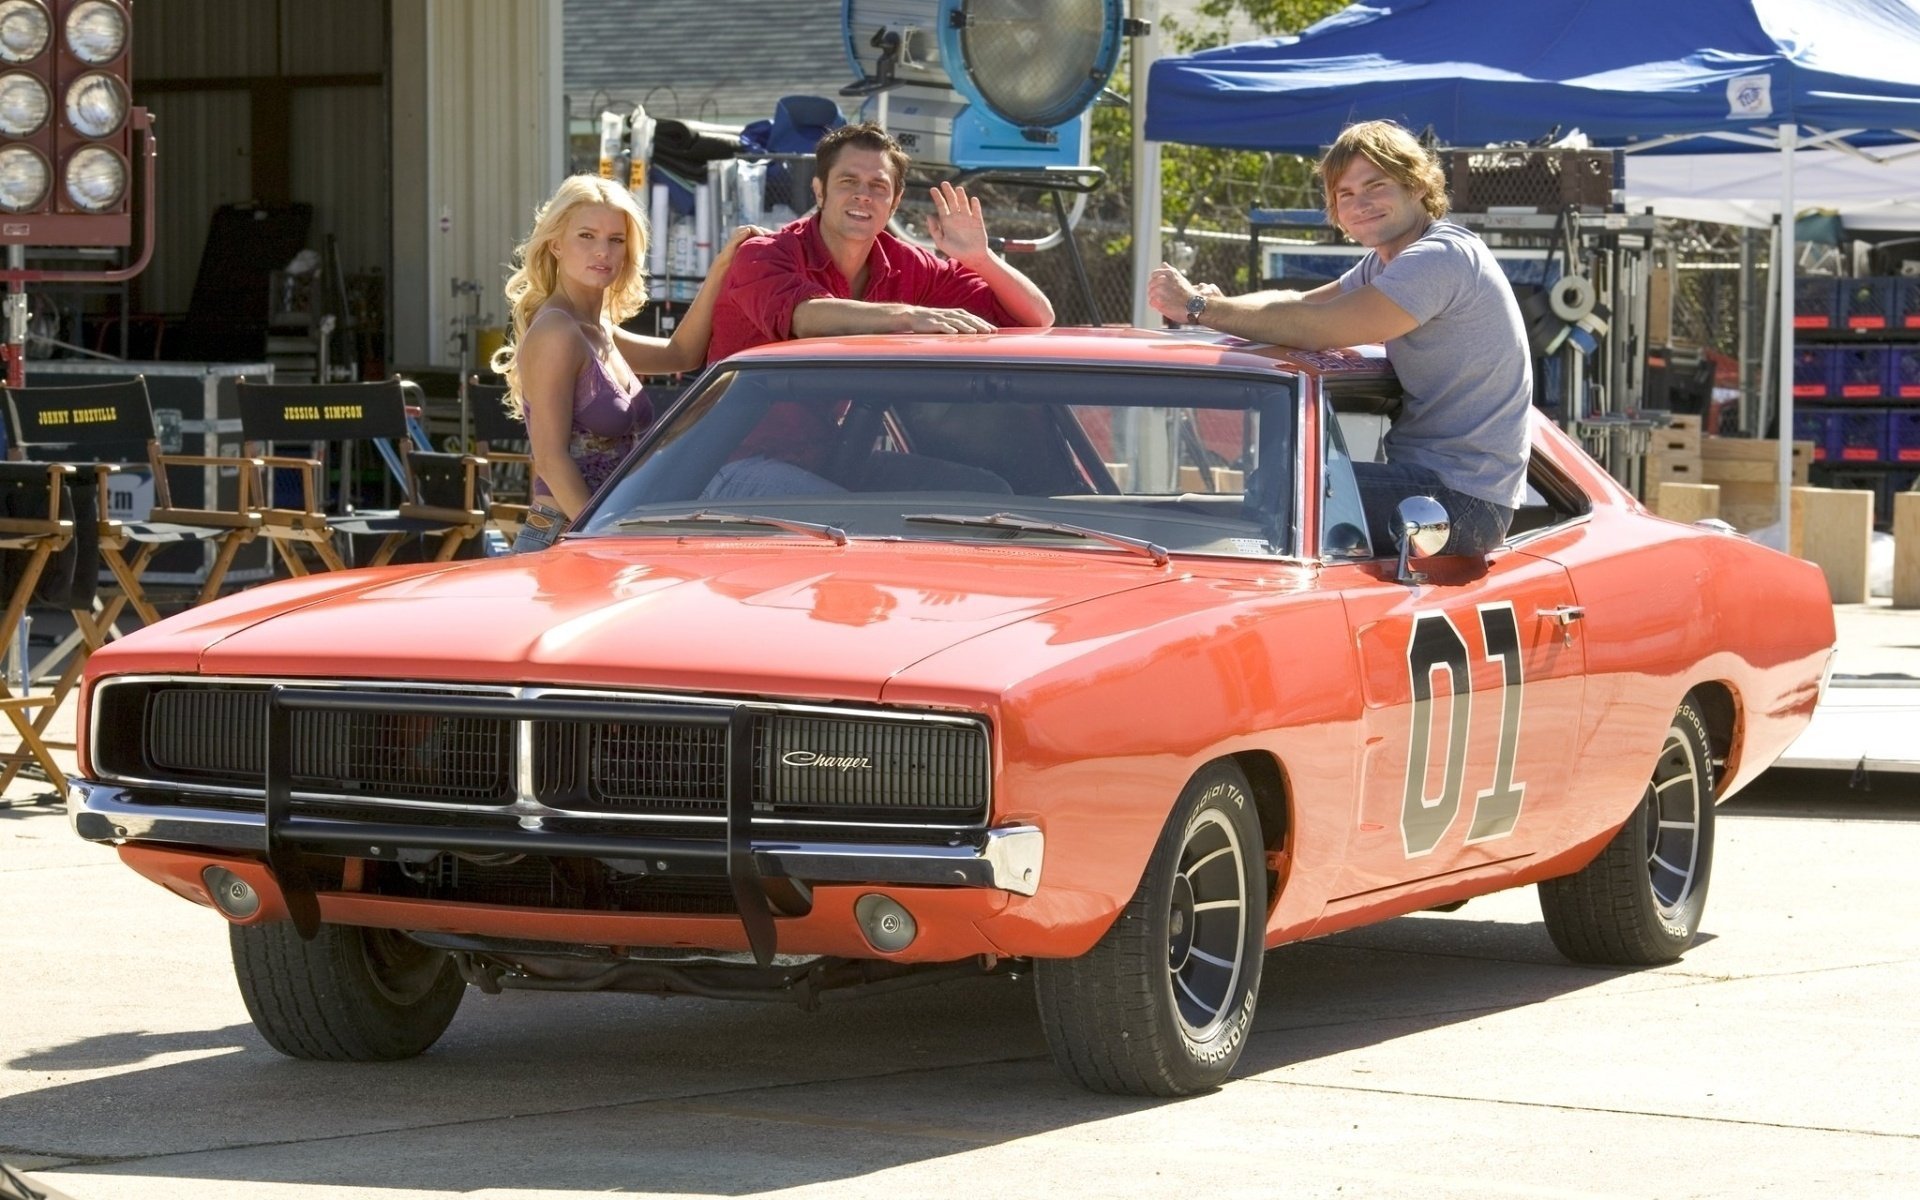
{"x": 401, "y": 969}
{"x": 1207, "y": 925}
{"x": 1673, "y": 802}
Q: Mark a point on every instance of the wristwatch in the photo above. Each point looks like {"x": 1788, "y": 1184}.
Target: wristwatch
{"x": 1196, "y": 304}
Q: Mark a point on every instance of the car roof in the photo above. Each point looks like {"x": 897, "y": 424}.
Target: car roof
{"x": 1105, "y": 346}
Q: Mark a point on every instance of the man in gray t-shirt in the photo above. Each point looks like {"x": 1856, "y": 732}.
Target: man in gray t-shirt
{"x": 1432, "y": 292}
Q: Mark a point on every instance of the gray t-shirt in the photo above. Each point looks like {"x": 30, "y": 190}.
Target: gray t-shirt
{"x": 1467, "y": 370}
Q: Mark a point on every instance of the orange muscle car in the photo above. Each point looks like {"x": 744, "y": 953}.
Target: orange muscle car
{"x": 887, "y": 660}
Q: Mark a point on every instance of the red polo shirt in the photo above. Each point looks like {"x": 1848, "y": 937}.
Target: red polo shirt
{"x": 772, "y": 275}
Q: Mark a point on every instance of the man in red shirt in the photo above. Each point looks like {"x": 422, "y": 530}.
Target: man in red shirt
{"x": 837, "y": 270}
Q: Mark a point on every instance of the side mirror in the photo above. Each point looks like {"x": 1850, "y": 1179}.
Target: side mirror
{"x": 1423, "y": 530}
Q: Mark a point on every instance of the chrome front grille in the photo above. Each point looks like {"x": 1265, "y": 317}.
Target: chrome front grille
{"x": 807, "y": 764}
{"x": 219, "y": 736}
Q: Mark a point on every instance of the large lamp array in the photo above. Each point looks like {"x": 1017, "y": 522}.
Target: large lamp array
{"x": 65, "y": 105}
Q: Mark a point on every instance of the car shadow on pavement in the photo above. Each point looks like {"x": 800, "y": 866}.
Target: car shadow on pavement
{"x": 608, "y": 1092}
{"x": 1408, "y": 976}
{"x": 125, "y": 1049}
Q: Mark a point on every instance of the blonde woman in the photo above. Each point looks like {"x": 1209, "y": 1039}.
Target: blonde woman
{"x": 572, "y": 373}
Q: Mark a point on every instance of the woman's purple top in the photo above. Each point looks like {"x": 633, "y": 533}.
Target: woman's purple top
{"x": 607, "y": 421}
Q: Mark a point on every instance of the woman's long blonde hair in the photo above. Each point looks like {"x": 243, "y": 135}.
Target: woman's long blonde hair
{"x": 534, "y": 276}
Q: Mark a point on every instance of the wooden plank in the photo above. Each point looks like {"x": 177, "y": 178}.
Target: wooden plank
{"x": 1684, "y": 421}
{"x": 1833, "y": 529}
{"x": 1687, "y": 501}
{"x": 1733, "y": 470}
{"x": 1906, "y": 550}
{"x": 1750, "y": 449}
{"x": 1660, "y": 306}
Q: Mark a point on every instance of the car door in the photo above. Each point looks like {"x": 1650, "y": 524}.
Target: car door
{"x": 1472, "y": 688}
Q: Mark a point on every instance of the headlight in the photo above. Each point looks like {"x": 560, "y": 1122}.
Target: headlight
{"x": 96, "y": 178}
{"x": 23, "y": 104}
{"x": 23, "y": 178}
{"x": 24, "y": 30}
{"x": 96, "y": 105}
{"x": 96, "y": 31}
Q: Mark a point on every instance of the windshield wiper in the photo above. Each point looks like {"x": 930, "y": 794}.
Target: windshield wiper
{"x": 1026, "y": 524}
{"x": 708, "y": 516}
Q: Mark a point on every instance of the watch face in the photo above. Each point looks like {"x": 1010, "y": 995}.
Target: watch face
{"x": 1195, "y": 306}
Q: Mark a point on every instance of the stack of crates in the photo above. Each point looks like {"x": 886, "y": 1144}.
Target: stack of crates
{"x": 1673, "y": 454}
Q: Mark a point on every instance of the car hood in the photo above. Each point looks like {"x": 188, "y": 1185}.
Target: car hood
{"x": 774, "y": 617}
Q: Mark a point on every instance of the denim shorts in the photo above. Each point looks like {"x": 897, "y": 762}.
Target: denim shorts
{"x": 542, "y": 528}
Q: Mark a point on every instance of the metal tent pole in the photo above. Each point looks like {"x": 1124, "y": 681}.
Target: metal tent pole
{"x": 1788, "y": 136}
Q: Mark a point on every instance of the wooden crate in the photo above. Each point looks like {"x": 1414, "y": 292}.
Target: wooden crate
{"x": 1670, "y": 468}
{"x": 1906, "y": 550}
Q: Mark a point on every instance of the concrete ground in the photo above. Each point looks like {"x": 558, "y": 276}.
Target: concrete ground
{"x": 1440, "y": 1055}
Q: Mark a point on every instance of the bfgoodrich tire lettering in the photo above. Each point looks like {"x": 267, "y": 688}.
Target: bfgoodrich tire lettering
{"x": 1163, "y": 1003}
{"x": 349, "y": 995}
{"x": 1641, "y": 901}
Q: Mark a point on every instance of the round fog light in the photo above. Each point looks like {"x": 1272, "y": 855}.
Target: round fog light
{"x": 888, "y": 927}
{"x": 233, "y": 895}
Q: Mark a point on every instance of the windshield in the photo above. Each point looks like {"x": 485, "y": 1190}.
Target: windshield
{"x": 1094, "y": 459}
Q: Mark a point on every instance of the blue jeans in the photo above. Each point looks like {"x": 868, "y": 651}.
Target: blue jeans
{"x": 543, "y": 527}
{"x": 1478, "y": 525}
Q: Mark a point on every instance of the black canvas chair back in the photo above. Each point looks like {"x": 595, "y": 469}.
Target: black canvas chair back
{"x": 488, "y": 415}
{"x": 322, "y": 412}
{"x": 105, "y": 422}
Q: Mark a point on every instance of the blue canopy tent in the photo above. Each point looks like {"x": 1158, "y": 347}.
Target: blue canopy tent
{"x": 1829, "y": 88}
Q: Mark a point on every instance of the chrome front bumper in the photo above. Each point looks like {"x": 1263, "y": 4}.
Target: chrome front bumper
{"x": 1007, "y": 858}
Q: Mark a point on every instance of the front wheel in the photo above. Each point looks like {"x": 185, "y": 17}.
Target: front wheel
{"x": 1641, "y": 901}
{"x": 1163, "y": 1003}
{"x": 349, "y": 995}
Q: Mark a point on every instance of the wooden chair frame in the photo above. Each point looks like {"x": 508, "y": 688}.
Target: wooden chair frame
{"x": 482, "y": 412}
{"x": 350, "y": 412}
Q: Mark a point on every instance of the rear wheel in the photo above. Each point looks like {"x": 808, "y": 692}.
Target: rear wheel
{"x": 349, "y": 995}
{"x": 1163, "y": 1003}
{"x": 1641, "y": 901}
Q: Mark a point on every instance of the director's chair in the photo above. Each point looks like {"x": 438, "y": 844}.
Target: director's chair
{"x": 99, "y": 431}
{"x": 32, "y": 532}
{"x": 484, "y": 413}
{"x": 444, "y": 495}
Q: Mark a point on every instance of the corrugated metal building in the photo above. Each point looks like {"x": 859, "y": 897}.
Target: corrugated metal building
{"x": 422, "y": 132}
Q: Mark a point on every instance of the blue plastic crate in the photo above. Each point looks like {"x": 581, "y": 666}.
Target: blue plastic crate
{"x": 1860, "y": 435}
{"x": 1860, "y": 372}
{"x": 1867, "y": 302}
{"x": 1813, "y": 372}
{"x": 1816, "y": 302}
{"x": 1903, "y": 372}
{"x": 1816, "y": 425}
{"x": 1906, "y": 301}
{"x": 1903, "y": 435}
